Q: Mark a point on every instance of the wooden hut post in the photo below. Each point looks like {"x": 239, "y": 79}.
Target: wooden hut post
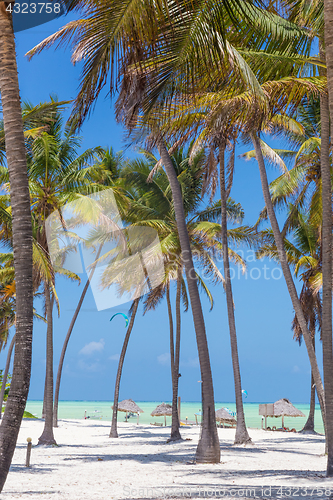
{"x": 164, "y": 420}
{"x": 282, "y": 421}
{"x": 126, "y": 417}
{"x": 137, "y": 420}
{"x": 29, "y": 446}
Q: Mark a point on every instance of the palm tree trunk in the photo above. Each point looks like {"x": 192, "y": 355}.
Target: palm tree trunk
{"x": 175, "y": 434}
{"x": 47, "y": 436}
{"x": 287, "y": 274}
{"x": 326, "y": 242}
{"x": 22, "y": 242}
{"x": 113, "y": 431}
{"x": 64, "y": 347}
{"x": 241, "y": 435}
{"x": 309, "y": 425}
{"x": 45, "y": 395}
{"x": 172, "y": 347}
{"x": 208, "y": 450}
{"x": 62, "y": 355}
{"x": 5, "y": 373}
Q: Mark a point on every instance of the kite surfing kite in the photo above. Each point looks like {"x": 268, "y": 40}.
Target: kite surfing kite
{"x": 245, "y": 393}
{"x": 122, "y": 314}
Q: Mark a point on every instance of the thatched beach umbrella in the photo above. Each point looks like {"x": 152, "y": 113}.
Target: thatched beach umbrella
{"x": 284, "y": 408}
{"x": 224, "y": 417}
{"x": 281, "y": 408}
{"x": 162, "y": 410}
{"x": 128, "y": 406}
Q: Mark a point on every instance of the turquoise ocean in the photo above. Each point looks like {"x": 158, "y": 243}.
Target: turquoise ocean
{"x": 102, "y": 410}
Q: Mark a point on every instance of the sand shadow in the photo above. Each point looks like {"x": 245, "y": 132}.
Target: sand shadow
{"x": 33, "y": 469}
{"x": 242, "y": 449}
{"x": 250, "y": 473}
{"x": 31, "y": 492}
{"x": 170, "y": 455}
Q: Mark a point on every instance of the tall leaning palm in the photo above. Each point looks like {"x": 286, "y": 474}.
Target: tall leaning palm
{"x": 303, "y": 250}
{"x": 278, "y": 237}
{"x": 308, "y": 265}
{"x": 208, "y": 449}
{"x": 242, "y": 435}
{"x": 299, "y": 189}
{"x": 286, "y": 270}
{"x": 22, "y": 241}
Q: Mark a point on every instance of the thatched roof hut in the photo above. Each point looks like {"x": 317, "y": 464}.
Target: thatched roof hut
{"x": 281, "y": 408}
{"x": 162, "y": 410}
{"x": 224, "y": 417}
{"x": 128, "y": 406}
{"x": 284, "y": 408}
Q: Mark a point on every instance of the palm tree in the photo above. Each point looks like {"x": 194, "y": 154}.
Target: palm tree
{"x": 304, "y": 176}
{"x": 22, "y": 241}
{"x": 298, "y": 188}
{"x": 242, "y": 435}
{"x": 208, "y": 449}
{"x": 47, "y": 436}
{"x": 310, "y": 298}
{"x": 303, "y": 252}
{"x": 113, "y": 430}
{"x": 286, "y": 270}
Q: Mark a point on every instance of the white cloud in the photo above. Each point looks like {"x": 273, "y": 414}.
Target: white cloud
{"x": 164, "y": 359}
{"x": 115, "y": 357}
{"x": 92, "y": 347}
{"x": 89, "y": 367}
{"x": 296, "y": 369}
{"x": 191, "y": 362}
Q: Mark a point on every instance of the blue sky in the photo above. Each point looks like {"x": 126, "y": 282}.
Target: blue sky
{"x": 272, "y": 363}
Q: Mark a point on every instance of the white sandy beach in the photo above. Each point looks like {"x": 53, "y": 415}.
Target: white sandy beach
{"x": 87, "y": 464}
